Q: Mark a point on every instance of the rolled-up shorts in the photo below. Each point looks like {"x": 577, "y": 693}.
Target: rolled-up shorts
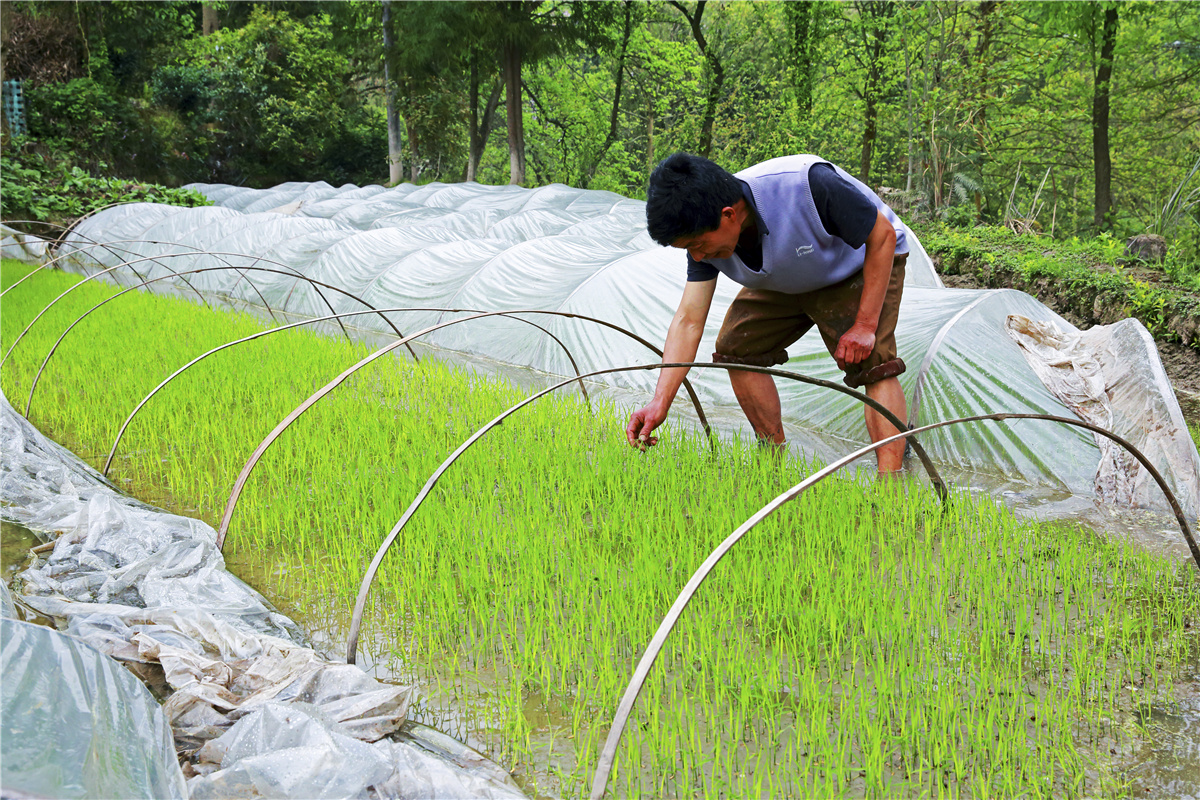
{"x": 761, "y": 324}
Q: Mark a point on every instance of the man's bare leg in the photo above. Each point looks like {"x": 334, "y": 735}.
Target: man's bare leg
{"x": 890, "y": 395}
{"x": 759, "y": 399}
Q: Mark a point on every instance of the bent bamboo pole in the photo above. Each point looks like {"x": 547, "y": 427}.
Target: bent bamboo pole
{"x": 111, "y": 247}
{"x": 284, "y": 269}
{"x": 687, "y": 384}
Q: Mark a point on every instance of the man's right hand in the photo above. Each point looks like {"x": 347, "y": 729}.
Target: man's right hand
{"x": 643, "y": 422}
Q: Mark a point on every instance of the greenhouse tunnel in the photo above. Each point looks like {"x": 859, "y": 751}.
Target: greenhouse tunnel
{"x": 586, "y": 252}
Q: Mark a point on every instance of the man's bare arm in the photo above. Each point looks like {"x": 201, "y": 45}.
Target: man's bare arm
{"x": 858, "y": 342}
{"x": 683, "y": 339}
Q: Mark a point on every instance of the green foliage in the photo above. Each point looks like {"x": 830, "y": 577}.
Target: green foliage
{"x": 140, "y": 36}
{"x": 1087, "y": 279}
{"x": 185, "y": 88}
{"x": 51, "y": 188}
{"x": 105, "y": 132}
{"x": 280, "y": 103}
{"x": 79, "y": 110}
{"x": 971, "y": 102}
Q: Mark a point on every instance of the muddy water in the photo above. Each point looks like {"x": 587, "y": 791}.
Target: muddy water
{"x": 1168, "y": 762}
{"x": 15, "y": 544}
{"x": 1155, "y": 755}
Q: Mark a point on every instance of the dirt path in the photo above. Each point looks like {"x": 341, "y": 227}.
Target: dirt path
{"x": 1182, "y": 364}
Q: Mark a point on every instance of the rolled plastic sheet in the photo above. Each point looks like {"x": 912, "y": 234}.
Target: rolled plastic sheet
{"x": 557, "y": 248}
{"x": 75, "y": 723}
{"x": 1102, "y": 374}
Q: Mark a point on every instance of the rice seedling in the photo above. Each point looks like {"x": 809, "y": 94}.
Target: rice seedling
{"x": 864, "y": 641}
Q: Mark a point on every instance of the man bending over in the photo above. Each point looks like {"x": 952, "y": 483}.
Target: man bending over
{"x": 811, "y": 246}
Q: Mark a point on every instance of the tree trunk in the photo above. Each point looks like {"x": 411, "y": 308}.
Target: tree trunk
{"x": 986, "y": 9}
{"x": 395, "y": 141}
{"x": 868, "y": 141}
{"x": 473, "y": 148}
{"x": 908, "y": 97}
{"x": 5, "y": 23}
{"x": 414, "y": 143}
{"x": 481, "y": 129}
{"x": 210, "y": 21}
{"x": 650, "y": 136}
{"x": 614, "y": 115}
{"x": 717, "y": 79}
{"x": 875, "y": 11}
{"x": 511, "y": 59}
{"x": 802, "y": 19}
{"x": 1100, "y": 107}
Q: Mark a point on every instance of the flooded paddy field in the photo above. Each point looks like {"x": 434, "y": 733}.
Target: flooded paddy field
{"x": 866, "y": 640}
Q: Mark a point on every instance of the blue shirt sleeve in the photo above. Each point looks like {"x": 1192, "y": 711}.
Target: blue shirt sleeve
{"x": 699, "y": 271}
{"x": 844, "y": 211}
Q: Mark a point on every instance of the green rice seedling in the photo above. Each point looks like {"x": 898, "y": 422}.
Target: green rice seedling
{"x": 860, "y": 642}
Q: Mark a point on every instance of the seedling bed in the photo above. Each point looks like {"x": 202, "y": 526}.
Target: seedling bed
{"x": 867, "y": 640}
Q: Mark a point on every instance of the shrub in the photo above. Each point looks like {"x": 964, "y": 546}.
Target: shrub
{"x": 1088, "y": 280}
{"x": 48, "y": 186}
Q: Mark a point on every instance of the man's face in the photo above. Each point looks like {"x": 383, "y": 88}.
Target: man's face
{"x": 718, "y": 243}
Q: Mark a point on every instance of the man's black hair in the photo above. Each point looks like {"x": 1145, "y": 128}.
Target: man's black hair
{"x": 686, "y": 195}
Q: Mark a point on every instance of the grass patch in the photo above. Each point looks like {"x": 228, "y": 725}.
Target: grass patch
{"x": 1086, "y": 280}
{"x": 862, "y": 641}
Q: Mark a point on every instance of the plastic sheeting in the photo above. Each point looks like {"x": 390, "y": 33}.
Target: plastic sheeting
{"x": 78, "y": 724}
{"x": 112, "y": 549}
{"x": 294, "y": 750}
{"x": 21, "y": 246}
{"x": 1102, "y": 375}
{"x": 556, "y": 248}
{"x": 256, "y": 712}
{"x": 7, "y": 609}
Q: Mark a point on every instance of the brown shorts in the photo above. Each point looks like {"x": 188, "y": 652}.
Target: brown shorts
{"x": 760, "y": 324}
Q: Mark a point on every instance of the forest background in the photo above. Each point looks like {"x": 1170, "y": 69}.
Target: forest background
{"x": 1069, "y": 119}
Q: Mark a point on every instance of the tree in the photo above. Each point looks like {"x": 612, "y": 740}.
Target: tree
{"x": 280, "y": 99}
{"x": 589, "y": 170}
{"x": 395, "y": 168}
{"x": 695, "y": 17}
{"x": 481, "y": 124}
{"x": 871, "y": 29}
{"x": 1101, "y": 154}
{"x": 805, "y": 26}
{"x": 522, "y": 33}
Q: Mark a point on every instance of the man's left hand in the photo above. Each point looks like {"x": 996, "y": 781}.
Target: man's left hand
{"x": 855, "y": 345}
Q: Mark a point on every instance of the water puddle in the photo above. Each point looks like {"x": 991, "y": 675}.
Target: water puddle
{"x": 16, "y": 542}
{"x": 1167, "y": 764}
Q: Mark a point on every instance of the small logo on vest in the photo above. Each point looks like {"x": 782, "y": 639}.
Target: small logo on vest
{"x": 803, "y": 250}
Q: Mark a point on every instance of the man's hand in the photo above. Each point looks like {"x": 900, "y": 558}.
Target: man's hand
{"x": 643, "y": 422}
{"x": 855, "y": 345}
